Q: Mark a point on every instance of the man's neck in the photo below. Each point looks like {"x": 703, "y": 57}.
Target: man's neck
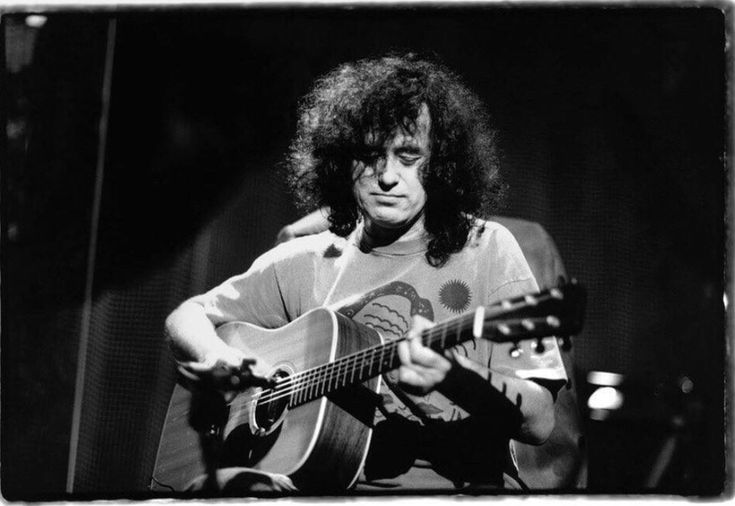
{"x": 376, "y": 237}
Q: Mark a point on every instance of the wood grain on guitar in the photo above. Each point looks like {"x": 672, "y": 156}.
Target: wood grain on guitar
{"x": 308, "y": 425}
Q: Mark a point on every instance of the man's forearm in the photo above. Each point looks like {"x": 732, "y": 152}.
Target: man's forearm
{"x": 523, "y": 408}
{"x": 191, "y": 334}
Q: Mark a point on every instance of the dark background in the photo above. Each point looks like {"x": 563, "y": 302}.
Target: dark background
{"x": 613, "y": 132}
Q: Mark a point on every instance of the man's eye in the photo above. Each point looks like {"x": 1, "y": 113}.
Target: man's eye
{"x": 408, "y": 159}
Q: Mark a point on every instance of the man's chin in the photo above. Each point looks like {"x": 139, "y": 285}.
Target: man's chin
{"x": 389, "y": 223}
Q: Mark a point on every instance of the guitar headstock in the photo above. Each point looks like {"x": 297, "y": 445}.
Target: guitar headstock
{"x": 557, "y": 311}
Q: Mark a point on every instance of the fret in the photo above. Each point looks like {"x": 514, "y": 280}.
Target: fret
{"x": 300, "y": 392}
{"x": 325, "y": 379}
{"x": 313, "y": 385}
{"x": 352, "y": 372}
{"x": 344, "y": 371}
{"x": 362, "y": 365}
{"x": 328, "y": 375}
{"x": 346, "y": 367}
{"x": 372, "y": 364}
{"x": 336, "y": 366}
{"x": 296, "y": 392}
{"x": 443, "y": 340}
{"x": 316, "y": 382}
{"x": 333, "y": 376}
{"x": 320, "y": 383}
{"x": 303, "y": 384}
{"x": 314, "y": 393}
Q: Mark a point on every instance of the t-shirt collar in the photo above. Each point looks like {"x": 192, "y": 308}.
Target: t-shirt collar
{"x": 412, "y": 242}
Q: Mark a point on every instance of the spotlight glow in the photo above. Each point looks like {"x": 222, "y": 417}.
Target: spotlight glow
{"x": 35, "y": 21}
{"x": 605, "y": 398}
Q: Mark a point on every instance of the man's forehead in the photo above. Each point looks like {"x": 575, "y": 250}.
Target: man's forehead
{"x": 409, "y": 132}
{"x": 416, "y": 133}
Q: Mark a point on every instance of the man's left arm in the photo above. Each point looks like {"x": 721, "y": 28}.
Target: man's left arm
{"x": 522, "y": 408}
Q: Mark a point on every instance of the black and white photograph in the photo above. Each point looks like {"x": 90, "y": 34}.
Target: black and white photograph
{"x": 381, "y": 251}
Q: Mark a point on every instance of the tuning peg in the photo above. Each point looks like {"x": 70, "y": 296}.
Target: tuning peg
{"x": 515, "y": 351}
{"x": 553, "y": 322}
{"x": 528, "y": 324}
{"x": 566, "y": 343}
{"x": 530, "y": 300}
{"x": 556, "y": 293}
{"x": 538, "y": 346}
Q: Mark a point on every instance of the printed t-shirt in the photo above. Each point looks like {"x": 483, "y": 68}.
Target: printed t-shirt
{"x": 383, "y": 289}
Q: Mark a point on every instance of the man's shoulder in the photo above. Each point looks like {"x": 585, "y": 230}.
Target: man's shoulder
{"x": 322, "y": 245}
{"x": 488, "y": 232}
{"x": 495, "y": 243}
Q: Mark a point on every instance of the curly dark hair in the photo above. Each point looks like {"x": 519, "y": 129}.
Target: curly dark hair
{"x": 374, "y": 98}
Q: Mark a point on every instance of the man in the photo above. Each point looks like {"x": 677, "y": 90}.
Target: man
{"x": 401, "y": 153}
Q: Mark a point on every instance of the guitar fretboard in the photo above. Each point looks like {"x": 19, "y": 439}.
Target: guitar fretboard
{"x": 368, "y": 363}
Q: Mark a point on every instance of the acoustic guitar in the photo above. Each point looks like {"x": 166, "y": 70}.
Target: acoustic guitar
{"x": 313, "y": 421}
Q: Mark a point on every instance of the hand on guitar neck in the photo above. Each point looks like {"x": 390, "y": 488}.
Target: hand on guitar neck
{"x": 422, "y": 369}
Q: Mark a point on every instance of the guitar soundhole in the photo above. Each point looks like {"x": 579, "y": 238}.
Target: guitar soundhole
{"x": 271, "y": 406}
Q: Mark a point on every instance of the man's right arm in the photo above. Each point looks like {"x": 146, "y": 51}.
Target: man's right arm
{"x": 192, "y": 337}
{"x": 199, "y": 349}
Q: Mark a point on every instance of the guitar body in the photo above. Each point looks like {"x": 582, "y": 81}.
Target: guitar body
{"x": 313, "y": 421}
{"x": 320, "y": 445}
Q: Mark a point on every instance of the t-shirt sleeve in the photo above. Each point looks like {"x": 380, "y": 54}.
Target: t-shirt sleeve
{"x": 254, "y": 296}
{"x": 546, "y": 367}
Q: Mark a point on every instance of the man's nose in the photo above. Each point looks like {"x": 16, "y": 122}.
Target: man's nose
{"x": 387, "y": 173}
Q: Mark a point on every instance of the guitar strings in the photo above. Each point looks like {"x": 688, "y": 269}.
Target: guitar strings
{"x": 327, "y": 373}
{"x": 332, "y": 371}
{"x": 313, "y": 380}
{"x": 316, "y": 379}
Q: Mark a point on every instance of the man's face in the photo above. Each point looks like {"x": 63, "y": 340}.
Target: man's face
{"x": 388, "y": 186}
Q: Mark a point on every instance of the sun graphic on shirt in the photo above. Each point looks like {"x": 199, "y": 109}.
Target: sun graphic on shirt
{"x": 455, "y": 295}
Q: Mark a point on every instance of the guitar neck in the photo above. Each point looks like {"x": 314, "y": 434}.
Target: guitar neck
{"x": 369, "y": 363}
{"x": 555, "y": 311}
